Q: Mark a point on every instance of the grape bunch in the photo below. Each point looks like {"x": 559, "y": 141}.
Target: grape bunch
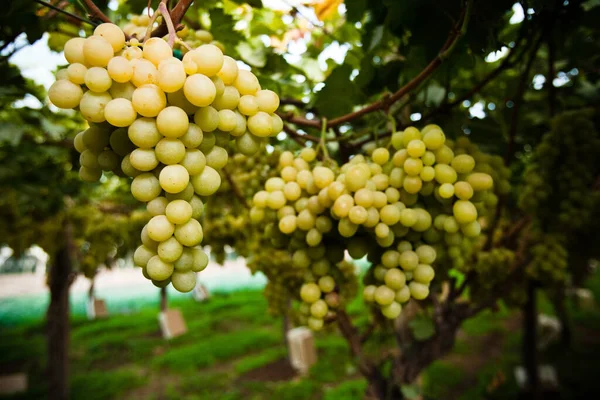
{"x": 559, "y": 194}
{"x": 166, "y": 123}
{"x": 395, "y": 208}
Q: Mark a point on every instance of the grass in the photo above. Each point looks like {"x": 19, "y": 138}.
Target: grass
{"x": 232, "y": 335}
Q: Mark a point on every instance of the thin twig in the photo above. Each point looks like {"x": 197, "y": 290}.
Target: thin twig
{"x": 177, "y": 14}
{"x": 65, "y": 12}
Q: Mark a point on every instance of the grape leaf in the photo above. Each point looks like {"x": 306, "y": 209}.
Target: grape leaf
{"x": 339, "y": 94}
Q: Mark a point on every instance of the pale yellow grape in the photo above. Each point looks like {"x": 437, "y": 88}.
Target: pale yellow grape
{"x": 76, "y": 73}
{"x": 410, "y": 133}
{"x": 426, "y": 254}
{"x": 120, "y": 112}
{"x": 197, "y": 207}
{"x": 248, "y": 105}
{"x": 156, "y": 50}
{"x": 480, "y": 181}
{"x": 423, "y": 273}
{"x": 113, "y": 35}
{"x": 172, "y": 122}
{"x": 286, "y": 159}
{"x": 451, "y": 225}
{"x": 382, "y": 230}
{"x": 403, "y": 295}
{"x": 277, "y": 124}
{"x": 326, "y": 284}
{"x": 174, "y": 178}
{"x": 142, "y": 255}
{"x": 146, "y": 240}
{"x": 472, "y": 229}
{"x": 413, "y": 166}
{"x": 219, "y": 87}
{"x": 273, "y": 184}
{"x": 389, "y": 215}
{"x": 369, "y": 293}
{"x": 276, "y": 200}
{"x": 427, "y": 174}
{"x": 149, "y": 100}
{"x": 97, "y": 51}
{"x": 171, "y": 77}
{"x": 157, "y": 206}
{"x": 200, "y": 260}
{"x": 380, "y": 155}
{"x": 129, "y": 169}
{"x": 143, "y": 159}
{"x": 193, "y": 136}
{"x": 189, "y": 66}
{"x": 122, "y": 90}
{"x": 315, "y": 324}
{"x": 159, "y": 270}
{"x": 92, "y": 105}
{"x": 314, "y": 237}
{"x": 267, "y": 100}
{"x": 120, "y": 69}
{"x": 207, "y": 182}
{"x": 78, "y": 143}
{"x": 287, "y": 224}
{"x": 310, "y": 292}
{"x": 209, "y": 59}
{"x": 416, "y": 148}
{"x": 88, "y": 159}
{"x": 372, "y": 218}
{"x": 409, "y": 260}
{"x": 143, "y": 132}
{"x": 446, "y": 190}
{"x": 170, "y": 151}
{"x": 185, "y": 262}
{"x": 319, "y": 309}
{"x": 445, "y": 173}
{"x": 433, "y": 138}
{"x": 412, "y": 184}
{"x": 356, "y": 178}
{"x": 97, "y": 79}
{"x": 292, "y": 191}
{"x": 65, "y": 94}
{"x": 364, "y": 197}
{"x": 229, "y": 70}
{"x": 108, "y": 160}
{"x": 381, "y": 181}
{"x": 424, "y": 220}
{"x": 189, "y": 234}
{"x": 73, "y": 50}
{"x": 145, "y": 187}
{"x": 193, "y": 161}
{"x": 384, "y": 295}
{"x": 305, "y": 220}
{"x": 228, "y": 99}
{"x": 463, "y": 190}
{"x": 178, "y": 99}
{"x": 260, "y": 124}
{"x": 160, "y": 228}
{"x": 90, "y": 174}
{"x": 393, "y": 195}
{"x": 227, "y": 120}
{"x": 186, "y": 194}
{"x": 96, "y": 138}
{"x": 200, "y": 91}
{"x": 217, "y": 157}
{"x": 133, "y": 53}
{"x": 170, "y": 250}
{"x": 184, "y": 282}
{"x": 342, "y": 205}
{"x": 418, "y": 290}
{"x": 391, "y": 311}
{"x": 463, "y": 163}
{"x": 62, "y": 74}
{"x": 248, "y": 144}
{"x": 207, "y": 119}
{"x": 260, "y": 198}
{"x": 444, "y": 155}
{"x": 246, "y": 83}
{"x": 464, "y": 211}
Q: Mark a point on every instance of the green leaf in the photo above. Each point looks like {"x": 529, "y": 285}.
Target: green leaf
{"x": 410, "y": 391}
{"x": 252, "y": 3}
{"x": 355, "y": 9}
{"x": 422, "y": 328}
{"x": 222, "y": 28}
{"x": 11, "y": 133}
{"x": 253, "y": 52}
{"x": 339, "y": 95}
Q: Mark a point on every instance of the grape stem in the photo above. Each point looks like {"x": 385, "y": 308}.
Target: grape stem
{"x": 450, "y": 44}
{"x": 162, "y": 8}
{"x": 176, "y": 14}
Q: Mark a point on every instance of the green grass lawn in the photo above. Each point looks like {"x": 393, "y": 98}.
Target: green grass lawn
{"x": 232, "y": 340}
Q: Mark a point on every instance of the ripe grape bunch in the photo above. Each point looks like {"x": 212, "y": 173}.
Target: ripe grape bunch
{"x": 383, "y": 207}
{"x": 164, "y": 122}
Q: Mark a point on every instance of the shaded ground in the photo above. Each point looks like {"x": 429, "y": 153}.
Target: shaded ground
{"x": 235, "y": 350}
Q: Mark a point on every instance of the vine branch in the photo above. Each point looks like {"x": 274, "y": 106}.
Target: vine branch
{"x": 95, "y": 12}
{"x": 457, "y": 32}
{"x": 65, "y": 12}
{"x": 177, "y": 13}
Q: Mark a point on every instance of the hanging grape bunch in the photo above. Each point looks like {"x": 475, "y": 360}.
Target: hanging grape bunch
{"x": 383, "y": 207}
{"x": 163, "y": 122}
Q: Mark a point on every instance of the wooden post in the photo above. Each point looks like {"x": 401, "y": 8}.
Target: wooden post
{"x": 57, "y": 319}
